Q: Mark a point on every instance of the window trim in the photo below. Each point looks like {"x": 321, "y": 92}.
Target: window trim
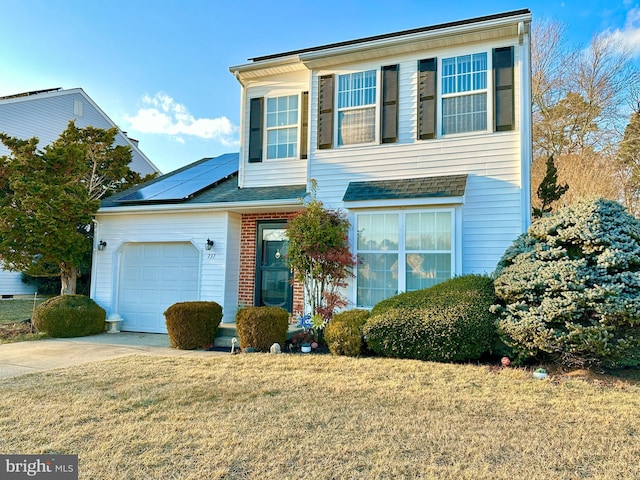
{"x": 298, "y": 126}
{"x": 402, "y": 250}
{"x": 337, "y": 110}
{"x": 488, "y": 90}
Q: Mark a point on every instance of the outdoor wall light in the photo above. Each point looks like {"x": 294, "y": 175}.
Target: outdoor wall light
{"x": 209, "y": 245}
{"x": 102, "y": 245}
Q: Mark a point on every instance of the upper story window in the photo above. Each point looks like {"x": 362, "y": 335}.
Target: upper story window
{"x": 282, "y": 127}
{"x": 282, "y": 123}
{"x": 363, "y": 114}
{"x": 464, "y": 93}
{"x": 357, "y": 108}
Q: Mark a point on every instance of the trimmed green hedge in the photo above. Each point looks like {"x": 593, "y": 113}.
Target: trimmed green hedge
{"x": 192, "y": 324}
{"x": 261, "y": 327}
{"x": 450, "y": 321}
{"x": 443, "y": 334}
{"x": 472, "y": 288}
{"x": 343, "y": 333}
{"x": 69, "y": 316}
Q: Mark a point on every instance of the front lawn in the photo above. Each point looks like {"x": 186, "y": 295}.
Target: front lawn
{"x": 319, "y": 416}
{"x": 12, "y": 313}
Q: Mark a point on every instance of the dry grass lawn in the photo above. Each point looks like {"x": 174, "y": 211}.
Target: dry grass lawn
{"x": 321, "y": 417}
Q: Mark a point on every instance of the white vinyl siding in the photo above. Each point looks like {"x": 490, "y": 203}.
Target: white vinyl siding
{"x": 47, "y": 115}
{"x": 158, "y": 228}
{"x": 275, "y": 171}
{"x": 492, "y": 213}
{"x": 11, "y": 284}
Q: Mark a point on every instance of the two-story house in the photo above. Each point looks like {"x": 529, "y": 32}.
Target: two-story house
{"x": 422, "y": 137}
{"x": 45, "y": 114}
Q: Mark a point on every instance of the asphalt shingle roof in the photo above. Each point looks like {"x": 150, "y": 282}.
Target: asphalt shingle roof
{"x": 443, "y": 186}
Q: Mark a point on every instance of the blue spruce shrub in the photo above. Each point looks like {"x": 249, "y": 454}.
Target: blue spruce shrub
{"x": 570, "y": 287}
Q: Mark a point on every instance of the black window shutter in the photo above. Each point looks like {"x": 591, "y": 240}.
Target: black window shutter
{"x": 255, "y": 129}
{"x": 304, "y": 121}
{"x": 503, "y": 85}
{"x": 427, "y": 73}
{"x": 325, "y": 112}
{"x": 389, "y": 110}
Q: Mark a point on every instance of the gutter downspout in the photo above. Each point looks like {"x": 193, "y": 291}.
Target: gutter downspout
{"x": 96, "y": 231}
{"x": 242, "y": 128}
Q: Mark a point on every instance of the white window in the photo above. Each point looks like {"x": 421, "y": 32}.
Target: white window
{"x": 282, "y": 127}
{"x": 357, "y": 107}
{"x": 464, "y": 93}
{"x": 400, "y": 252}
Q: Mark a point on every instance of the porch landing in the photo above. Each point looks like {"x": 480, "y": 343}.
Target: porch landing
{"x": 227, "y": 331}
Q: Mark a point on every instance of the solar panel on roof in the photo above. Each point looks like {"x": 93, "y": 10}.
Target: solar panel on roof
{"x": 188, "y": 182}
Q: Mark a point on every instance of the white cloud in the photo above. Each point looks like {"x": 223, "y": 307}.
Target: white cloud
{"x": 628, "y": 37}
{"x": 161, "y": 114}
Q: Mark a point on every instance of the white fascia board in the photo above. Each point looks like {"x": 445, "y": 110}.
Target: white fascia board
{"x": 190, "y": 207}
{"x": 405, "y": 202}
{"x": 248, "y": 71}
{"x": 417, "y": 37}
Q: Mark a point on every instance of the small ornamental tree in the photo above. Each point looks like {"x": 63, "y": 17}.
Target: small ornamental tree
{"x": 320, "y": 257}
{"x": 570, "y": 287}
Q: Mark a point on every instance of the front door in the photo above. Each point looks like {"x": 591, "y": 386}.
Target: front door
{"x": 273, "y": 285}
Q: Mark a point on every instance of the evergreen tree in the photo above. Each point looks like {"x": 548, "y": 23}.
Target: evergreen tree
{"x": 549, "y": 191}
{"x": 48, "y": 199}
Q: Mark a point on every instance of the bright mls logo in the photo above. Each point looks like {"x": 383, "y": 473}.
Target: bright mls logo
{"x": 51, "y": 467}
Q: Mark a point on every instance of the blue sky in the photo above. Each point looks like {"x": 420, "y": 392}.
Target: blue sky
{"x": 159, "y": 69}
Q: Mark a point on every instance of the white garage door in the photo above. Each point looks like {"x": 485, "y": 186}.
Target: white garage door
{"x": 154, "y": 276}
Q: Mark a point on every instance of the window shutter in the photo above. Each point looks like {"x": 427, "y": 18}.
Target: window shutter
{"x": 427, "y": 73}
{"x": 255, "y": 129}
{"x": 389, "y": 110}
{"x": 325, "y": 112}
{"x": 304, "y": 133}
{"x": 503, "y": 85}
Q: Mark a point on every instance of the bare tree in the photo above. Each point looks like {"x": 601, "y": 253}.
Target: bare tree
{"x": 580, "y": 107}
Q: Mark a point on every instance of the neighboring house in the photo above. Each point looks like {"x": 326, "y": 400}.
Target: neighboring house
{"x": 422, "y": 137}
{"x": 45, "y": 114}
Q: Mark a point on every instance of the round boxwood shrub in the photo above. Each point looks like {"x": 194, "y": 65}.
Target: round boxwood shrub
{"x": 261, "y": 327}
{"x": 450, "y": 321}
{"x": 343, "y": 333}
{"x": 473, "y": 288}
{"x": 69, "y": 316}
{"x": 192, "y": 324}
{"x": 569, "y": 288}
{"x": 451, "y": 333}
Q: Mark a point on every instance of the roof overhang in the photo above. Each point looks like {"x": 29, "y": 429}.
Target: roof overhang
{"x": 290, "y": 205}
{"x": 483, "y": 29}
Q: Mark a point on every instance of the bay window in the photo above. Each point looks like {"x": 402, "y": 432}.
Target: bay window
{"x": 400, "y": 252}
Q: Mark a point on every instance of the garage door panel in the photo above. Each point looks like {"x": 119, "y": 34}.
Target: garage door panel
{"x": 154, "y": 277}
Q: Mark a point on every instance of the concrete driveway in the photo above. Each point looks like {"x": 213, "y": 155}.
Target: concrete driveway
{"x": 41, "y": 355}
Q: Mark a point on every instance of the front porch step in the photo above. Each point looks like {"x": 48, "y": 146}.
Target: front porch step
{"x": 227, "y": 331}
